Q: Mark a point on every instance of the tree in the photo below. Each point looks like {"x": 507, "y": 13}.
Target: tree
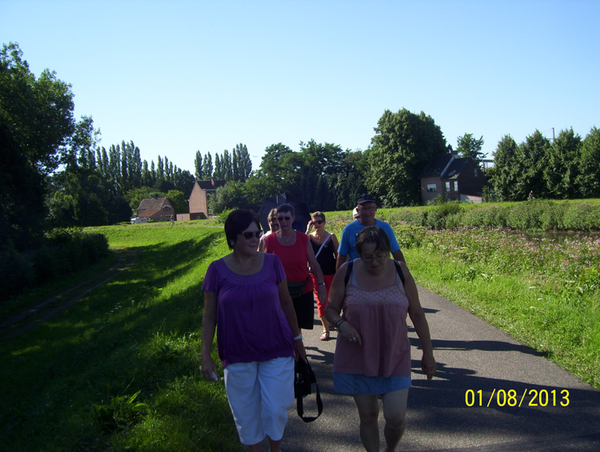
{"x": 533, "y": 158}
{"x": 506, "y": 169}
{"x": 467, "y": 146}
{"x": 273, "y": 164}
{"x": 403, "y": 144}
{"x": 561, "y": 170}
{"x": 178, "y": 201}
{"x": 36, "y": 123}
{"x": 588, "y": 180}
{"x": 242, "y": 162}
{"x": 199, "y": 171}
{"x": 207, "y": 167}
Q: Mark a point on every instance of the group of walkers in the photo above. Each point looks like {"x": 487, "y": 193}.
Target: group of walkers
{"x": 261, "y": 296}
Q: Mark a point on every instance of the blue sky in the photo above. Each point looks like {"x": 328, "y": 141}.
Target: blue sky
{"x": 179, "y": 76}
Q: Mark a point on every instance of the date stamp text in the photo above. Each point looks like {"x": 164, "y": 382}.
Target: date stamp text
{"x": 512, "y": 398}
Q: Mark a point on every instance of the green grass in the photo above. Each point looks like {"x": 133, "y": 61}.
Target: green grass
{"x": 68, "y": 384}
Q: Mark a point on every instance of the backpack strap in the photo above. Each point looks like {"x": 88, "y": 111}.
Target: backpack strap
{"x": 348, "y": 273}
{"x": 398, "y": 269}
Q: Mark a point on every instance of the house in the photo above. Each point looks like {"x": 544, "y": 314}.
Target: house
{"x": 456, "y": 179}
{"x": 201, "y": 193}
{"x": 155, "y": 209}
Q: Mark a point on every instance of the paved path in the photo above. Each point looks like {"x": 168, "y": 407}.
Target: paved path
{"x": 471, "y": 355}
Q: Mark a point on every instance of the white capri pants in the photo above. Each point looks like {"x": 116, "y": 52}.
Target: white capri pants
{"x": 259, "y": 395}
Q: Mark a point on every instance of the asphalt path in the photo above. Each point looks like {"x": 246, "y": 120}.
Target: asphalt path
{"x": 550, "y": 409}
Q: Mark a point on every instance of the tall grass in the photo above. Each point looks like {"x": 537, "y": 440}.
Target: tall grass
{"x": 544, "y": 292}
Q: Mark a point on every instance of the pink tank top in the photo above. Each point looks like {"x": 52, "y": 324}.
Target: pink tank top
{"x": 380, "y": 318}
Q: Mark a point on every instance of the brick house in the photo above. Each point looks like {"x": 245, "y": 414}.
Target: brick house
{"x": 198, "y": 202}
{"x": 456, "y": 179}
{"x": 155, "y": 209}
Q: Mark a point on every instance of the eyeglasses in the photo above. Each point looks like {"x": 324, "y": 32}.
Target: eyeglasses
{"x": 367, "y": 209}
{"x": 318, "y": 221}
{"x": 274, "y": 225}
{"x": 248, "y": 235}
{"x": 284, "y": 218}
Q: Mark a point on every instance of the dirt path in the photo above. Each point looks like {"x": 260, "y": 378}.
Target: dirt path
{"x": 42, "y": 312}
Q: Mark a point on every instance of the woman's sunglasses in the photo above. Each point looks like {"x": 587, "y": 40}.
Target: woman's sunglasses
{"x": 248, "y": 235}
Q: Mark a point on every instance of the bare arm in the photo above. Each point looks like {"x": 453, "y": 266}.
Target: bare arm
{"x": 288, "y": 309}
{"x": 209, "y": 323}
{"x": 417, "y": 316}
{"x": 336, "y": 245}
{"x": 399, "y": 256}
{"x": 341, "y": 260}
{"x": 337, "y": 292}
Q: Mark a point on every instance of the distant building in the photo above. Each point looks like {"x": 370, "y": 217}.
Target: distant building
{"x": 454, "y": 178}
{"x": 155, "y": 209}
{"x": 201, "y": 194}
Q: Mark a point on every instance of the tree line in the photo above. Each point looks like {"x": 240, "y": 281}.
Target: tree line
{"x": 54, "y": 173}
{"x": 567, "y": 167}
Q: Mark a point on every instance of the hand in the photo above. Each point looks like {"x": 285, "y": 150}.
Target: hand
{"x": 428, "y": 365}
{"x": 349, "y": 333}
{"x": 300, "y": 352}
{"x": 209, "y": 369}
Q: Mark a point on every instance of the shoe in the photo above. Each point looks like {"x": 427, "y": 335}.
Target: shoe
{"x": 325, "y": 336}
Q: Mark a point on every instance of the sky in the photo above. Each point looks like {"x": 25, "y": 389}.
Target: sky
{"x": 181, "y": 76}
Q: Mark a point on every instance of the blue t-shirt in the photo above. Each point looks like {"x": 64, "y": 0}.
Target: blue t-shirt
{"x": 348, "y": 241}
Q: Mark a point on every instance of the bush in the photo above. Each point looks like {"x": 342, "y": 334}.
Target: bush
{"x": 581, "y": 217}
{"x": 64, "y": 252}
{"x": 16, "y": 272}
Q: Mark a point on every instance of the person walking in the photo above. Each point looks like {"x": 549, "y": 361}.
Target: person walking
{"x": 325, "y": 245}
{"x": 366, "y": 209}
{"x": 296, "y": 254}
{"x": 368, "y": 303}
{"x": 246, "y": 300}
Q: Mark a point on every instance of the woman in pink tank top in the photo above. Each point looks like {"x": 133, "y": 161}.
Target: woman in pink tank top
{"x": 368, "y": 303}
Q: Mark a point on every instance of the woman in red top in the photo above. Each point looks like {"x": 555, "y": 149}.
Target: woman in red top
{"x": 296, "y": 254}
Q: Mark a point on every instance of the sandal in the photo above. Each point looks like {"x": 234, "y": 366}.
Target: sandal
{"x": 325, "y": 335}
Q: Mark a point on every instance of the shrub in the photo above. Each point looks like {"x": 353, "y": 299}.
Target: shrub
{"x": 581, "y": 217}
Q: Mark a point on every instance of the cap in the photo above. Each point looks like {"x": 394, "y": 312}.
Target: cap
{"x": 365, "y": 197}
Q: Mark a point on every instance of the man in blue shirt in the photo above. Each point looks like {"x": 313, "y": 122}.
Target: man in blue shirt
{"x": 366, "y": 209}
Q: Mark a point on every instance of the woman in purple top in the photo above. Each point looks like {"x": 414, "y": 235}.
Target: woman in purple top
{"x": 246, "y": 300}
{"x": 372, "y": 355}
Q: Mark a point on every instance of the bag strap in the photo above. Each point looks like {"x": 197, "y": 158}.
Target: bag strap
{"x": 398, "y": 269}
{"x": 322, "y": 245}
{"x": 299, "y": 403}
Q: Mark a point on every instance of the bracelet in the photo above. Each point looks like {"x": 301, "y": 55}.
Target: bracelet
{"x": 339, "y": 322}
{"x": 298, "y": 337}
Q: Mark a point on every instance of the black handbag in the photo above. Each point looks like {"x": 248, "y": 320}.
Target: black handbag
{"x": 303, "y": 381}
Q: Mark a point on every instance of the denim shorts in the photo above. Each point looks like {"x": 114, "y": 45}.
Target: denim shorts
{"x": 351, "y": 384}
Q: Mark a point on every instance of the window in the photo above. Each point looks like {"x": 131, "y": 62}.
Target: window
{"x": 448, "y": 186}
{"x": 431, "y": 187}
{"x": 455, "y": 185}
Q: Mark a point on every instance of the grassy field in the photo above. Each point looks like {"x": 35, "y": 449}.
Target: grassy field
{"x": 119, "y": 370}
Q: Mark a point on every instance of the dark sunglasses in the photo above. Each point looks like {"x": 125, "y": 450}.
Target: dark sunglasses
{"x": 248, "y": 235}
{"x": 284, "y": 218}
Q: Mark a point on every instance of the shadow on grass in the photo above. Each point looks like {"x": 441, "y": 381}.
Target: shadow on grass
{"x": 138, "y": 332}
